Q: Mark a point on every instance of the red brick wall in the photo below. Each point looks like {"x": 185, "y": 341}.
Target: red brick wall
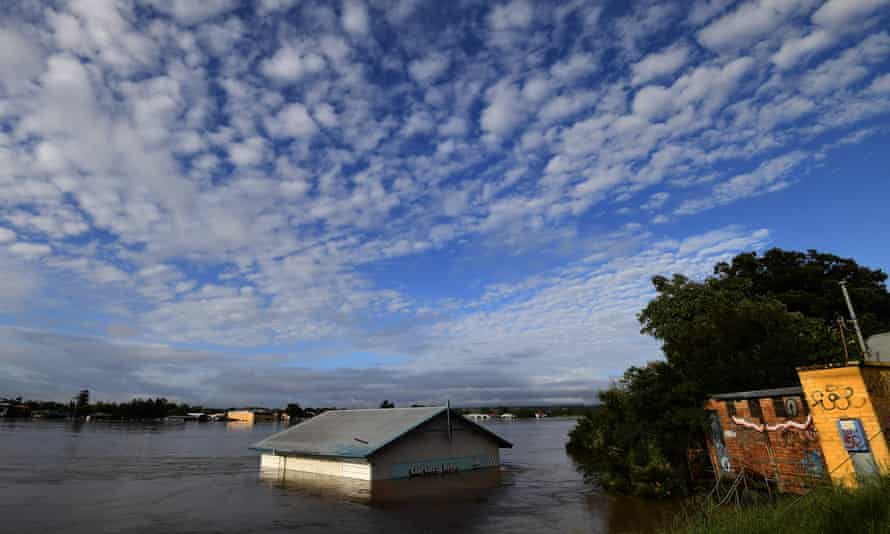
{"x": 791, "y": 458}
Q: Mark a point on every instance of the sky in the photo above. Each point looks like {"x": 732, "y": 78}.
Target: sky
{"x": 340, "y": 202}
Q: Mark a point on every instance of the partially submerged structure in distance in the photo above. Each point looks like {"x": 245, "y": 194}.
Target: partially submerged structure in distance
{"x": 251, "y": 415}
{"x": 382, "y": 444}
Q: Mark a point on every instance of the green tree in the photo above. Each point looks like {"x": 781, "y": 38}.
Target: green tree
{"x": 746, "y": 327}
{"x": 82, "y": 403}
{"x": 294, "y": 411}
{"x": 807, "y": 282}
{"x": 387, "y": 404}
{"x": 719, "y": 336}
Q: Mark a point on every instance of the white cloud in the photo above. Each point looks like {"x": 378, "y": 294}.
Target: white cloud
{"x": 503, "y": 112}
{"x": 248, "y": 152}
{"x": 552, "y": 322}
{"x": 293, "y": 121}
{"x": 653, "y": 102}
{"x": 659, "y": 64}
{"x": 656, "y": 201}
{"x": 454, "y": 126}
{"x": 770, "y": 176}
{"x": 326, "y": 115}
{"x": 189, "y": 12}
{"x": 704, "y": 10}
{"x": 841, "y": 13}
{"x": 355, "y": 17}
{"x": 21, "y": 59}
{"x": 6, "y": 235}
{"x": 429, "y": 69}
{"x": 271, "y": 6}
{"x": 797, "y": 48}
{"x": 575, "y": 66}
{"x": 709, "y": 86}
{"x": 29, "y": 250}
{"x": 750, "y": 21}
{"x": 880, "y": 85}
{"x": 516, "y": 14}
{"x": 567, "y": 104}
{"x": 291, "y": 63}
{"x": 849, "y": 67}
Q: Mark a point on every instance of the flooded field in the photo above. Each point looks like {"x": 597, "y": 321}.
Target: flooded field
{"x": 201, "y": 477}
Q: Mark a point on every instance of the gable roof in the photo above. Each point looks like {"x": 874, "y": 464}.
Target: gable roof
{"x": 357, "y": 433}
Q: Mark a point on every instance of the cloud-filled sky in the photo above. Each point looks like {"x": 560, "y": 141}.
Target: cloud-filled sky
{"x": 341, "y": 202}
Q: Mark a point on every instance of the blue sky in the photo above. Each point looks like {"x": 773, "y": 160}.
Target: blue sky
{"x": 341, "y": 202}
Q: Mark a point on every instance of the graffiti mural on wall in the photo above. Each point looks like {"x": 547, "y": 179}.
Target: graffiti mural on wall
{"x": 813, "y": 464}
{"x": 719, "y": 445}
{"x": 773, "y": 428}
{"x": 803, "y": 439}
{"x": 840, "y": 398}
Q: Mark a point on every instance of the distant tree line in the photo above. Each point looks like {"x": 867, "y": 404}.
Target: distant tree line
{"x": 746, "y": 327}
{"x": 135, "y": 409}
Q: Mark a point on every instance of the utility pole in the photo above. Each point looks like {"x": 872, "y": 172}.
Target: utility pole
{"x": 448, "y": 411}
{"x": 855, "y": 322}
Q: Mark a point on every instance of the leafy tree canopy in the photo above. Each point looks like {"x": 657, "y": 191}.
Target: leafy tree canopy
{"x": 745, "y": 327}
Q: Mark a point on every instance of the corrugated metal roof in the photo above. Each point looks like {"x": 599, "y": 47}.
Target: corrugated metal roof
{"x": 354, "y": 433}
{"x": 760, "y": 393}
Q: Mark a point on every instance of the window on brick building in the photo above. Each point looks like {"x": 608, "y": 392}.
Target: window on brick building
{"x": 754, "y": 408}
{"x": 779, "y": 407}
{"x": 793, "y": 407}
{"x": 730, "y": 408}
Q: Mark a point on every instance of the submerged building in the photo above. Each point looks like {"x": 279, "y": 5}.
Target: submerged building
{"x": 382, "y": 444}
{"x": 251, "y": 416}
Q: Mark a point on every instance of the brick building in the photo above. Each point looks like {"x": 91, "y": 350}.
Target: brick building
{"x": 768, "y": 433}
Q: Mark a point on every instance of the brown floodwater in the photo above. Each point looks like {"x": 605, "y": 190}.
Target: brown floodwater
{"x": 202, "y": 478}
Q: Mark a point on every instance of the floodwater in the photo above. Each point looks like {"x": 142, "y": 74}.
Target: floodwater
{"x": 202, "y": 478}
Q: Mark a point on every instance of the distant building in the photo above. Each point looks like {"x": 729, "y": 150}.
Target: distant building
{"x": 477, "y": 416}
{"x": 382, "y": 444}
{"x": 507, "y": 417}
{"x": 251, "y": 416}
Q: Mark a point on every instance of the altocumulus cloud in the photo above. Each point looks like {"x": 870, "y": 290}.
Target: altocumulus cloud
{"x": 339, "y": 202}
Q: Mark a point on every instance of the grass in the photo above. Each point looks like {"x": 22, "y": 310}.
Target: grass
{"x": 824, "y": 511}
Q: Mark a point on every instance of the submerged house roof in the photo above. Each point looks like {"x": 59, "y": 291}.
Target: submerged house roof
{"x": 358, "y": 433}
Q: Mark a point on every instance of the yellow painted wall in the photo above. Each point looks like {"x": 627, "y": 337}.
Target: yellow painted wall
{"x": 251, "y": 416}
{"x": 841, "y": 393}
{"x": 245, "y": 416}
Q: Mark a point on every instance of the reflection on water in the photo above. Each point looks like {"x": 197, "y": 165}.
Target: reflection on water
{"x": 201, "y": 477}
{"x": 465, "y": 486}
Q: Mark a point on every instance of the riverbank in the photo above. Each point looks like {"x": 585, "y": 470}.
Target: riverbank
{"x": 826, "y": 510}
